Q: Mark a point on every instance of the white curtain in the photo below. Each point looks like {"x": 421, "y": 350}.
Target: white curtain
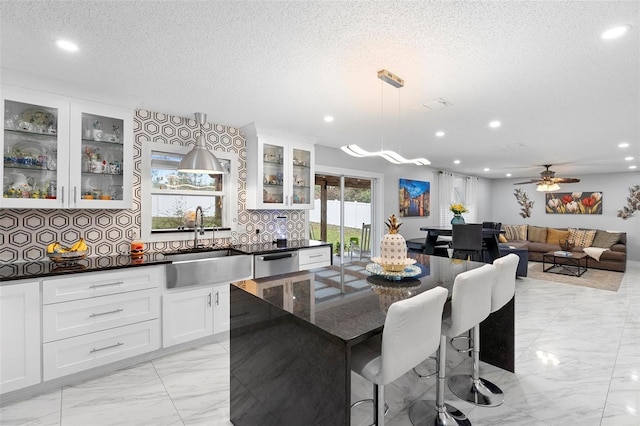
{"x": 445, "y": 194}
{"x": 457, "y": 189}
{"x": 471, "y": 197}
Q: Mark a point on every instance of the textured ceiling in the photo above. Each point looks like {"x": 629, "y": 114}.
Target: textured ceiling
{"x": 564, "y": 96}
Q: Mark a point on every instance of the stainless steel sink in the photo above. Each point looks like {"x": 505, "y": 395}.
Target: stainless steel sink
{"x": 204, "y": 267}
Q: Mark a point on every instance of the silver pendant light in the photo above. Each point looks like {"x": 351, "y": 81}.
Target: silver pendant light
{"x": 200, "y": 159}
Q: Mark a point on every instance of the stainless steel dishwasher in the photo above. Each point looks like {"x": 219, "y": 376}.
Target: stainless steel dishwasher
{"x": 267, "y": 265}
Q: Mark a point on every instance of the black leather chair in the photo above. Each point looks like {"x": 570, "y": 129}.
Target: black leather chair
{"x": 467, "y": 241}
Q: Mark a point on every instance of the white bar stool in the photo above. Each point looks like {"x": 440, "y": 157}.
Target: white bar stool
{"x": 473, "y": 388}
{"x": 411, "y": 333}
{"x": 470, "y": 305}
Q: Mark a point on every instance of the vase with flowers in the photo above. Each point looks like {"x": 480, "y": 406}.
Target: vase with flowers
{"x": 457, "y": 209}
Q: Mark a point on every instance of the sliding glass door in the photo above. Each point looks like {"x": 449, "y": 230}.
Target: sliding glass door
{"x": 344, "y": 216}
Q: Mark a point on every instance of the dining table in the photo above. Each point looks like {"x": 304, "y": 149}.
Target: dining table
{"x": 291, "y": 336}
{"x": 489, "y": 236}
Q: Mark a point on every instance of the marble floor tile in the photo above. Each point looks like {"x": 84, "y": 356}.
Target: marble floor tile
{"x": 144, "y": 404}
{"x": 32, "y": 410}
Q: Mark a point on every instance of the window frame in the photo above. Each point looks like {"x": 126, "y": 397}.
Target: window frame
{"x": 229, "y": 194}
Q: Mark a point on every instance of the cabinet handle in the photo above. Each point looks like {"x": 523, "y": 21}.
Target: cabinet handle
{"x": 209, "y": 299}
{"x": 75, "y": 198}
{"x": 107, "y": 285}
{"x": 106, "y": 347}
{"x": 316, "y": 255}
{"x": 286, "y": 200}
{"x": 106, "y": 313}
{"x": 62, "y": 195}
{"x": 217, "y": 299}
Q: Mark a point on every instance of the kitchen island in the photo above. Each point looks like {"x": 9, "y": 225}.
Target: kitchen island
{"x": 291, "y": 338}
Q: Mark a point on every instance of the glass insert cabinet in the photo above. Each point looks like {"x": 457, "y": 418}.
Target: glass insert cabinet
{"x": 60, "y": 152}
{"x": 280, "y": 172}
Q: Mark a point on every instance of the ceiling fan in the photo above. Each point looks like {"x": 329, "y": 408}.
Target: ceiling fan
{"x": 548, "y": 182}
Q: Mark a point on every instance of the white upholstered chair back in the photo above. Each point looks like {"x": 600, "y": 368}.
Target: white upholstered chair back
{"x": 411, "y": 333}
{"x": 505, "y": 285}
{"x": 471, "y": 299}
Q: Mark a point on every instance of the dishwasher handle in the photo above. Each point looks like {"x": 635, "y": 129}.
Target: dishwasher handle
{"x": 278, "y": 256}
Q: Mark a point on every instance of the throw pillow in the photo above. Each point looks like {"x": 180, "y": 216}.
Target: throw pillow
{"x": 502, "y": 239}
{"x": 537, "y": 234}
{"x": 582, "y": 237}
{"x": 605, "y": 239}
{"x": 554, "y": 236}
{"x": 523, "y": 232}
{"x": 512, "y": 232}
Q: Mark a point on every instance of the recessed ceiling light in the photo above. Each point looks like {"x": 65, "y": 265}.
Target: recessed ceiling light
{"x": 328, "y": 118}
{"x": 440, "y": 134}
{"x": 508, "y": 174}
{"x": 615, "y": 32}
{"x": 67, "y": 45}
{"x": 486, "y": 169}
{"x": 494, "y": 124}
{"x": 632, "y": 167}
{"x": 623, "y": 145}
{"x": 456, "y": 161}
{"x": 628, "y": 158}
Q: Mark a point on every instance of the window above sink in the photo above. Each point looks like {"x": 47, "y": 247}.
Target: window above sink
{"x": 169, "y": 198}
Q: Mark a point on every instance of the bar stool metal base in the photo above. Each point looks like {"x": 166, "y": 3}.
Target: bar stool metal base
{"x": 426, "y": 413}
{"x": 480, "y": 392}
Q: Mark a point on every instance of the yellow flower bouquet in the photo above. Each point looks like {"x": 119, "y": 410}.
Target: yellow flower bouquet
{"x": 458, "y": 208}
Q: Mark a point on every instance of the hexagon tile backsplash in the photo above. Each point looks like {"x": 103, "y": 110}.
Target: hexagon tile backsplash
{"x": 26, "y": 232}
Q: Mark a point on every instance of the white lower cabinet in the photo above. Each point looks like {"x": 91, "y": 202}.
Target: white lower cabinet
{"x": 19, "y": 335}
{"x": 314, "y": 257}
{"x": 191, "y": 314}
{"x": 97, "y": 318}
{"x": 80, "y": 353}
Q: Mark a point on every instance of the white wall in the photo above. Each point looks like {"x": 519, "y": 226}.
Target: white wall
{"x": 392, "y": 173}
{"x": 614, "y": 188}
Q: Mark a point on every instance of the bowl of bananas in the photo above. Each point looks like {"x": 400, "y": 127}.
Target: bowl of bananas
{"x": 59, "y": 254}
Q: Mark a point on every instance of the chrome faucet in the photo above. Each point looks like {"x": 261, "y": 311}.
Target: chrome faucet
{"x": 198, "y": 227}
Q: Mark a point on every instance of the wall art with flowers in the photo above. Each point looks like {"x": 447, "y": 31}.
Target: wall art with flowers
{"x": 573, "y": 202}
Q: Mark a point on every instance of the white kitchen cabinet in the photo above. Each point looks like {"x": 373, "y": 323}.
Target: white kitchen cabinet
{"x": 19, "y": 336}
{"x": 314, "y": 257}
{"x": 280, "y": 172}
{"x": 221, "y": 308}
{"x": 92, "y": 319}
{"x": 194, "y": 313}
{"x": 61, "y": 152}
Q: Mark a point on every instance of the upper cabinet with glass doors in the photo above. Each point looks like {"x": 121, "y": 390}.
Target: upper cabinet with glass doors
{"x": 280, "y": 172}
{"x": 63, "y": 153}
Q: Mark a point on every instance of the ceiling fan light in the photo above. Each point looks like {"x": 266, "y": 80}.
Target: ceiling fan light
{"x": 547, "y": 187}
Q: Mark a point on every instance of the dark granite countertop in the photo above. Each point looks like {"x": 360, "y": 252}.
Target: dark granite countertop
{"x": 45, "y": 268}
{"x": 347, "y": 301}
{"x": 12, "y": 271}
{"x": 272, "y": 247}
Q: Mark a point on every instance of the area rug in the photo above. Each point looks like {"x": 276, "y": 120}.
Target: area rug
{"x": 594, "y": 278}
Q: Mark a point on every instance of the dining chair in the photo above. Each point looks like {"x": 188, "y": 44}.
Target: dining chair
{"x": 470, "y": 305}
{"x": 411, "y": 333}
{"x": 467, "y": 241}
{"x": 364, "y": 247}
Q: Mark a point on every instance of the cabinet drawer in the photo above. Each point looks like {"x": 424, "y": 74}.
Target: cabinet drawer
{"x": 314, "y": 257}
{"x": 70, "y": 319}
{"x": 80, "y": 353}
{"x": 83, "y": 286}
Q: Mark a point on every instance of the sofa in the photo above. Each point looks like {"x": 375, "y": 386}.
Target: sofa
{"x": 539, "y": 240}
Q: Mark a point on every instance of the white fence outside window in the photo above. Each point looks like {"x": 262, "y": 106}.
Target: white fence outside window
{"x": 355, "y": 213}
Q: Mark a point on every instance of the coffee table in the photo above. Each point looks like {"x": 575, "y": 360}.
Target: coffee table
{"x": 575, "y": 265}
